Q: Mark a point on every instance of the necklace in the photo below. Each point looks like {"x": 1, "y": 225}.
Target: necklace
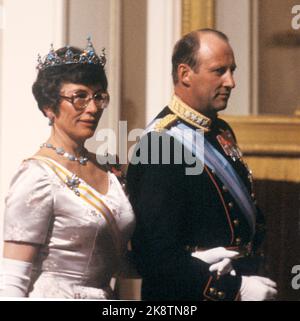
{"x": 60, "y": 151}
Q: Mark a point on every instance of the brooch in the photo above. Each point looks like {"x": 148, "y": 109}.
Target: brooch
{"x": 73, "y": 183}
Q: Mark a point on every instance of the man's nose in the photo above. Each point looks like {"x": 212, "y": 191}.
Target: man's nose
{"x": 229, "y": 80}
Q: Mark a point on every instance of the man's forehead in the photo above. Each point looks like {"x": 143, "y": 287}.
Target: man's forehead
{"x": 227, "y": 61}
{"x": 215, "y": 49}
{"x": 211, "y": 42}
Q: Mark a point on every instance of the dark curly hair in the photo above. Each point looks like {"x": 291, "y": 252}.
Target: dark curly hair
{"x": 186, "y": 50}
{"x": 47, "y": 86}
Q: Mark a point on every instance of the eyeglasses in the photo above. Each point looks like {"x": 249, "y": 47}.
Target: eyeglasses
{"x": 81, "y": 100}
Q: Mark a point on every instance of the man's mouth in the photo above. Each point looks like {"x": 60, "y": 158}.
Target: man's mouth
{"x": 225, "y": 95}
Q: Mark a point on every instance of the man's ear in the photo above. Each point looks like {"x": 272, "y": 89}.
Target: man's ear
{"x": 184, "y": 74}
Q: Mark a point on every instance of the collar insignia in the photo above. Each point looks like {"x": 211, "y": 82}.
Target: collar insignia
{"x": 189, "y": 115}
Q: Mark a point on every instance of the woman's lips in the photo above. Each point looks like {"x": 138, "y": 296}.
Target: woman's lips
{"x": 88, "y": 122}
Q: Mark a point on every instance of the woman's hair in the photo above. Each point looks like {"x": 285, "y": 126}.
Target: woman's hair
{"x": 49, "y": 81}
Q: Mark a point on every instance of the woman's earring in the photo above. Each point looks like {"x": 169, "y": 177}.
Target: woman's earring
{"x": 51, "y": 122}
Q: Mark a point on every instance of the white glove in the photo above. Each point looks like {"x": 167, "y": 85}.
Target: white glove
{"x": 219, "y": 258}
{"x": 257, "y": 288}
{"x": 15, "y": 278}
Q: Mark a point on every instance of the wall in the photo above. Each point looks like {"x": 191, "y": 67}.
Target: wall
{"x": 100, "y": 20}
{"x": 233, "y": 18}
{"x": 133, "y": 58}
{"x": 150, "y": 29}
{"x": 163, "y": 30}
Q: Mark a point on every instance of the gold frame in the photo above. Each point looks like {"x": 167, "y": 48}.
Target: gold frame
{"x": 270, "y": 144}
{"x": 272, "y": 135}
{"x": 197, "y": 14}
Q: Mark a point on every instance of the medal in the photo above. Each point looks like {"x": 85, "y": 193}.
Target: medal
{"x": 232, "y": 150}
{"x": 229, "y": 145}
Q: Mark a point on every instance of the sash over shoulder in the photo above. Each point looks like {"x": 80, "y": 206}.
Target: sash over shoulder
{"x": 86, "y": 193}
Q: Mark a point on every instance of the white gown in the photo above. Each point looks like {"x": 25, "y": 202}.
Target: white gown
{"x": 83, "y": 236}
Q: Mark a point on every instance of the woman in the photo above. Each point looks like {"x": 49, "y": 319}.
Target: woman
{"x": 67, "y": 219}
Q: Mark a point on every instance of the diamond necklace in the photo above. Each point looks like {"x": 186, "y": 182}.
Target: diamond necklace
{"x": 60, "y": 151}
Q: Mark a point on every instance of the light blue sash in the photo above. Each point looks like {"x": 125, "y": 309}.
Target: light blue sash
{"x": 218, "y": 163}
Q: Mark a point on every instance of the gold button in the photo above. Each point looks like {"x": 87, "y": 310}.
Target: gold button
{"x": 230, "y": 205}
{"x": 221, "y": 295}
{"x": 224, "y": 188}
{"x": 236, "y": 222}
{"x": 238, "y": 241}
{"x": 212, "y": 291}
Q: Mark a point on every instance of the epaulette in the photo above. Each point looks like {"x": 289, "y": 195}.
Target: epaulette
{"x": 166, "y": 122}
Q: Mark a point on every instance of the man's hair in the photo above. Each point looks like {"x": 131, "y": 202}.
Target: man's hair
{"x": 186, "y": 50}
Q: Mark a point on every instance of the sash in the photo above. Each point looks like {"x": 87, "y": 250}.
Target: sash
{"x": 218, "y": 163}
{"x": 86, "y": 193}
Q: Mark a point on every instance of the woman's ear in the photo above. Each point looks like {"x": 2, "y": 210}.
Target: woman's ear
{"x": 48, "y": 111}
{"x": 184, "y": 74}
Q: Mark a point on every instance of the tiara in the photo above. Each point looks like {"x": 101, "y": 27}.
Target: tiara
{"x": 88, "y": 56}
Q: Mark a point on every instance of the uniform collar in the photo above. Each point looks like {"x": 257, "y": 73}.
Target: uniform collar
{"x": 189, "y": 115}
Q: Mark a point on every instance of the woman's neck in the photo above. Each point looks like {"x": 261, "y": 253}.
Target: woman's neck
{"x": 70, "y": 145}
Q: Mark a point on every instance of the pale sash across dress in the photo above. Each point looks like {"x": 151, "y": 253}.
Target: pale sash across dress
{"x": 83, "y": 236}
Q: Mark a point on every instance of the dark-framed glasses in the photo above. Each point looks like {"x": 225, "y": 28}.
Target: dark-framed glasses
{"x": 80, "y": 100}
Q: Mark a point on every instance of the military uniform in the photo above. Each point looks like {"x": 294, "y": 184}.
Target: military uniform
{"x": 177, "y": 214}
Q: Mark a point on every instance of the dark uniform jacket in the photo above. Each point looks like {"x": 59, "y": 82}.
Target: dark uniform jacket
{"x": 176, "y": 212}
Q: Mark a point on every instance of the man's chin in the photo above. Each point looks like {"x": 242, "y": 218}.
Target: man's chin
{"x": 221, "y": 103}
{"x": 212, "y": 110}
{"x": 220, "y": 107}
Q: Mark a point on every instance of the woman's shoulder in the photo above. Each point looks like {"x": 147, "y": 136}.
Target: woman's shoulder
{"x": 30, "y": 170}
{"x": 31, "y": 178}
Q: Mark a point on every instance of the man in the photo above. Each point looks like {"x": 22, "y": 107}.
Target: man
{"x": 198, "y": 228}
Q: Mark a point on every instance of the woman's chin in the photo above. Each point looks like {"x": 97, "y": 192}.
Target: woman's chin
{"x": 86, "y": 134}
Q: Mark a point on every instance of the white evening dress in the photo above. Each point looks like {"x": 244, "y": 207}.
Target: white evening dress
{"x": 83, "y": 234}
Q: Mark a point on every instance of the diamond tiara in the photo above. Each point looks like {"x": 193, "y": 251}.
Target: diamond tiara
{"x": 88, "y": 56}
